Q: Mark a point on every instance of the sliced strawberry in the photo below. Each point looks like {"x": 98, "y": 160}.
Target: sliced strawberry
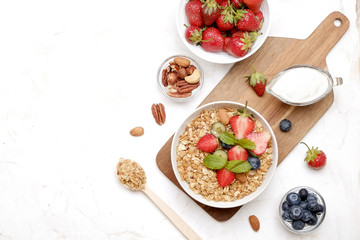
{"x": 225, "y": 177}
{"x": 208, "y": 143}
{"x": 241, "y": 125}
{"x": 237, "y": 153}
{"x": 261, "y": 140}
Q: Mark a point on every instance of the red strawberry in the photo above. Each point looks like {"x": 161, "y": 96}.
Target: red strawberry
{"x": 210, "y": 11}
{"x": 261, "y": 140}
{"x": 257, "y": 81}
{"x": 254, "y": 5}
{"x": 238, "y": 46}
{"x": 193, "y": 12}
{"x": 260, "y": 16}
{"x": 226, "y": 19}
{"x": 208, "y": 143}
{"x": 193, "y": 34}
{"x": 237, "y": 3}
{"x": 226, "y": 43}
{"x": 212, "y": 40}
{"x": 237, "y": 153}
{"x": 247, "y": 21}
{"x": 315, "y": 157}
{"x": 224, "y": 177}
{"x": 242, "y": 124}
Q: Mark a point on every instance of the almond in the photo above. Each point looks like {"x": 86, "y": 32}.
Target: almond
{"x": 254, "y": 222}
{"x": 182, "y": 62}
{"x": 224, "y": 117}
{"x": 137, "y": 131}
{"x": 241, "y": 177}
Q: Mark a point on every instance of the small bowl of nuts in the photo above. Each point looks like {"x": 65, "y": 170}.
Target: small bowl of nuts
{"x": 180, "y": 78}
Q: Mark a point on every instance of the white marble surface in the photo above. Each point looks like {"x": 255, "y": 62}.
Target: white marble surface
{"x": 76, "y": 76}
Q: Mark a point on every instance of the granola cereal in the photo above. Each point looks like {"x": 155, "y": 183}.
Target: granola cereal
{"x": 201, "y": 179}
{"x": 131, "y": 174}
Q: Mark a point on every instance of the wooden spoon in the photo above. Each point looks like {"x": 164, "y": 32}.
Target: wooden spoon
{"x": 132, "y": 175}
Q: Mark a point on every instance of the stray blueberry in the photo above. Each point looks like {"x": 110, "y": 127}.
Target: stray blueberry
{"x": 254, "y": 162}
{"x": 285, "y": 206}
{"x": 303, "y": 194}
{"x": 296, "y": 212}
{"x": 293, "y": 199}
{"x": 285, "y": 125}
{"x": 306, "y": 215}
{"x": 298, "y": 225}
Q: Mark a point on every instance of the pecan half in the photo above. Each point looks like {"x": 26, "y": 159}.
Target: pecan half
{"x": 163, "y": 77}
{"x": 187, "y": 88}
{"x": 158, "y": 112}
{"x": 179, "y": 95}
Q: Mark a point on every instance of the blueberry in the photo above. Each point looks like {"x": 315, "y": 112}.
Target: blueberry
{"x": 306, "y": 215}
{"x": 312, "y": 205}
{"x": 311, "y": 196}
{"x": 286, "y": 216}
{"x": 254, "y": 162}
{"x": 226, "y": 146}
{"x": 285, "y": 206}
{"x": 293, "y": 199}
{"x": 295, "y": 212}
{"x": 298, "y": 225}
{"x": 303, "y": 193}
{"x": 285, "y": 125}
{"x": 320, "y": 209}
{"x": 303, "y": 204}
{"x": 313, "y": 220}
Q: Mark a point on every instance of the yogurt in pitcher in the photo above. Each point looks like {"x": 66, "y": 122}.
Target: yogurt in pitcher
{"x": 301, "y": 85}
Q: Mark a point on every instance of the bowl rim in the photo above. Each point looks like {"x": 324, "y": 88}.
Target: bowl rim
{"x": 269, "y": 175}
{"x": 228, "y": 59}
{"x": 311, "y": 228}
{"x": 161, "y": 87}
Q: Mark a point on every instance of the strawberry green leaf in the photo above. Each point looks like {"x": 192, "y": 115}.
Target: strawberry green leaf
{"x": 238, "y": 166}
{"x": 214, "y": 162}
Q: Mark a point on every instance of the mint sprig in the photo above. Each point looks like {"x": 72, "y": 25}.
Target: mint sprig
{"x": 230, "y": 139}
{"x": 214, "y": 162}
{"x": 238, "y": 166}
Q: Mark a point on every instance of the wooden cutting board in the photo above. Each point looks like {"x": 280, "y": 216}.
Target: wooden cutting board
{"x": 275, "y": 55}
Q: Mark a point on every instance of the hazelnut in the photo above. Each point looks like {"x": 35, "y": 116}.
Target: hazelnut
{"x": 171, "y": 78}
{"x": 190, "y": 69}
{"x": 182, "y": 73}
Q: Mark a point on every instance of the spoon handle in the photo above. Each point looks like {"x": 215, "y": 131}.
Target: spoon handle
{"x": 174, "y": 218}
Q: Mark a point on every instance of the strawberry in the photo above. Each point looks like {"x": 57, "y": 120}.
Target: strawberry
{"x": 237, "y": 153}
{"x": 261, "y": 140}
{"x": 242, "y": 124}
{"x": 226, "y": 19}
{"x": 193, "y": 34}
{"x": 315, "y": 158}
{"x": 208, "y": 143}
{"x": 237, "y": 3}
{"x": 246, "y": 20}
{"x": 239, "y": 46}
{"x": 254, "y": 5}
{"x": 193, "y": 11}
{"x": 224, "y": 177}
{"x": 257, "y": 81}
{"x": 212, "y": 40}
{"x": 210, "y": 11}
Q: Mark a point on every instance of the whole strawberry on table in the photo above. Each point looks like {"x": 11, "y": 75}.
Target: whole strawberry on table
{"x": 315, "y": 157}
{"x": 230, "y": 26}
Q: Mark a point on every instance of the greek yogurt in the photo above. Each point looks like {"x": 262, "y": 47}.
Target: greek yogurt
{"x": 300, "y": 84}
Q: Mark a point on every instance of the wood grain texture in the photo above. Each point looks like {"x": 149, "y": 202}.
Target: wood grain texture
{"x": 275, "y": 55}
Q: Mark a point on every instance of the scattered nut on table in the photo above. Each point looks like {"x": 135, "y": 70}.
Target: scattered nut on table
{"x": 137, "y": 131}
{"x": 158, "y": 112}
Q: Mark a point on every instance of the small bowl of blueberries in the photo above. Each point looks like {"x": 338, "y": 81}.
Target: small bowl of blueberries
{"x": 302, "y": 210}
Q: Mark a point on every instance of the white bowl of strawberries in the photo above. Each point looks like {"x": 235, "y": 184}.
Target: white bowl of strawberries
{"x": 224, "y": 154}
{"x": 223, "y": 31}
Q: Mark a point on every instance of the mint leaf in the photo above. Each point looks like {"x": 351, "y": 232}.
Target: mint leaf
{"x": 214, "y": 162}
{"x": 246, "y": 143}
{"x": 238, "y": 166}
{"x": 227, "y": 138}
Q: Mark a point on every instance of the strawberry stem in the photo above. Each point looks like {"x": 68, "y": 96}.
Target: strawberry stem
{"x": 306, "y": 146}
{"x": 252, "y": 67}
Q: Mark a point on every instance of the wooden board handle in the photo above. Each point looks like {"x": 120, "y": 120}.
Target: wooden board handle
{"x": 328, "y": 32}
{"x": 188, "y": 232}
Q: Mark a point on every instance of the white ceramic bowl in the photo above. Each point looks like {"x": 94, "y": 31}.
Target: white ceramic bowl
{"x": 269, "y": 174}
{"x": 221, "y": 57}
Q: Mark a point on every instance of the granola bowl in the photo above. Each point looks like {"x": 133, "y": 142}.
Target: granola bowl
{"x": 199, "y": 181}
